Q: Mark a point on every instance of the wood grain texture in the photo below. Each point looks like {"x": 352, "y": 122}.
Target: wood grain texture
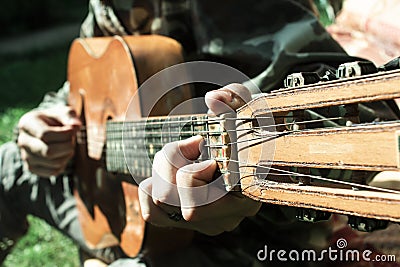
{"x": 374, "y": 87}
{"x": 382, "y": 206}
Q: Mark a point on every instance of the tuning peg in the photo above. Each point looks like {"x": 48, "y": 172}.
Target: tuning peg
{"x": 393, "y": 64}
{"x": 300, "y": 79}
{"x": 355, "y": 69}
{"x": 310, "y": 215}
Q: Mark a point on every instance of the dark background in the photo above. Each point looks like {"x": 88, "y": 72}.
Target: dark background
{"x": 22, "y": 16}
{"x": 34, "y": 43}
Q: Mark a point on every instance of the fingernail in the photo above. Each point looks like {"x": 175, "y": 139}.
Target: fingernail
{"x": 228, "y": 94}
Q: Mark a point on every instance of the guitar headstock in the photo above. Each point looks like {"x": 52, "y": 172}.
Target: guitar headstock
{"x": 330, "y": 134}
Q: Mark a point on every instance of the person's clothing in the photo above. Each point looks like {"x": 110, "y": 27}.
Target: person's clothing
{"x": 264, "y": 39}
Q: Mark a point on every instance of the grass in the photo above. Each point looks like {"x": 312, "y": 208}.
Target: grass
{"x": 8, "y": 119}
{"x": 43, "y": 246}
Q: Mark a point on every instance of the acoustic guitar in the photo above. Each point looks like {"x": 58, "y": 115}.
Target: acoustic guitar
{"x": 268, "y": 150}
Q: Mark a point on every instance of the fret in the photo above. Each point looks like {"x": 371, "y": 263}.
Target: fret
{"x": 208, "y": 141}
{"x": 168, "y": 125}
{"x": 174, "y": 129}
{"x": 186, "y": 130}
{"x": 199, "y": 127}
{"x": 192, "y": 119}
{"x": 181, "y": 126}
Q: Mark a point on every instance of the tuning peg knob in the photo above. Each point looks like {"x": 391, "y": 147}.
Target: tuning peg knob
{"x": 310, "y": 215}
{"x": 366, "y": 224}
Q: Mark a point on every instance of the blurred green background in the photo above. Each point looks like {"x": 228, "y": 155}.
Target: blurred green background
{"x": 33, "y": 56}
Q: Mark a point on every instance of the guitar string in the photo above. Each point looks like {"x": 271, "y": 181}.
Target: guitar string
{"x": 259, "y": 128}
{"x": 187, "y": 120}
{"x": 268, "y": 126}
{"x": 265, "y": 137}
{"x": 317, "y": 177}
{"x": 85, "y": 127}
{"x": 83, "y": 131}
{"x": 179, "y": 123}
{"x": 297, "y": 174}
{"x": 292, "y": 173}
{"x": 280, "y": 172}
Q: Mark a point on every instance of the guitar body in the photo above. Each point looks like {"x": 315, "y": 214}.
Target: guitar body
{"x": 104, "y": 75}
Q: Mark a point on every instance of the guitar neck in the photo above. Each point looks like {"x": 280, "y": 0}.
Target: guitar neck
{"x": 137, "y": 142}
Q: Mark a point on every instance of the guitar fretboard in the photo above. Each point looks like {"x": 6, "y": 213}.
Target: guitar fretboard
{"x": 135, "y": 144}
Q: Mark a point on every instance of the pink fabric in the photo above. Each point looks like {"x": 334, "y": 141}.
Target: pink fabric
{"x": 369, "y": 29}
{"x": 380, "y": 242}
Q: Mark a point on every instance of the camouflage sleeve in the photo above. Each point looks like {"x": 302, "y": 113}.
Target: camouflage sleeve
{"x": 266, "y": 40}
{"x": 120, "y": 17}
{"x": 101, "y": 21}
{"x": 50, "y": 99}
